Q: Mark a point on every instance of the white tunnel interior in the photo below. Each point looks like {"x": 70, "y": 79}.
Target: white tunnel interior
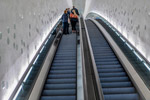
{"x": 24, "y": 25}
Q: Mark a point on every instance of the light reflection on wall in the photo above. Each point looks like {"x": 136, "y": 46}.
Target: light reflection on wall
{"x": 10, "y": 90}
{"x": 25, "y": 64}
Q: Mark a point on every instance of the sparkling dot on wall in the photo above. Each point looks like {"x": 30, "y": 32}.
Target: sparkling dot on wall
{"x": 14, "y": 45}
{"x": 0, "y": 35}
{"x": 21, "y": 51}
{"x": 27, "y": 47}
{"x": 8, "y": 41}
{"x": 35, "y": 47}
{"x": 14, "y": 26}
{"x": 0, "y": 59}
{"x": 29, "y": 26}
{"x": 37, "y": 30}
{"x": 8, "y": 29}
{"x": 28, "y": 55}
{"x": 14, "y": 35}
{"x": 29, "y": 34}
{"x": 24, "y": 44}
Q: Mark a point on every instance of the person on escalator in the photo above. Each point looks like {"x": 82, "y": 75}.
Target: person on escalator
{"x": 74, "y": 20}
{"x": 68, "y": 11}
{"x": 65, "y": 20}
{"x": 76, "y": 10}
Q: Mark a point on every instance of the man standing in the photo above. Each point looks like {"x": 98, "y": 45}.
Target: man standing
{"x": 76, "y": 10}
{"x": 65, "y": 19}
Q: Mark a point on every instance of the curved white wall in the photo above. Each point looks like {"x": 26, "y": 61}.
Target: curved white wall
{"x": 25, "y": 24}
{"x": 130, "y": 17}
{"x": 23, "y": 27}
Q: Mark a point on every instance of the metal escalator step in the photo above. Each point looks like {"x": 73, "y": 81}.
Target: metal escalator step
{"x": 106, "y": 60}
{"x": 64, "y": 64}
{"x": 65, "y": 57}
{"x": 65, "y": 92}
{"x": 104, "y": 54}
{"x": 59, "y": 86}
{"x": 132, "y": 96}
{"x": 108, "y": 66}
{"x": 63, "y": 68}
{"x": 118, "y": 74}
{"x": 64, "y": 61}
{"x": 60, "y": 81}
{"x": 116, "y": 84}
{"x": 107, "y": 63}
{"x": 58, "y": 98}
{"x": 63, "y": 72}
{"x": 99, "y": 57}
{"x": 110, "y": 70}
{"x": 125, "y": 90}
{"x": 55, "y": 76}
{"x": 105, "y": 57}
{"x": 114, "y": 79}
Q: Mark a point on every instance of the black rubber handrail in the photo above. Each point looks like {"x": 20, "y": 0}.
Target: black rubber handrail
{"x": 92, "y": 89}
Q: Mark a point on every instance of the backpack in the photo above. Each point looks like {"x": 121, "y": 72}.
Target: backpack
{"x": 73, "y": 16}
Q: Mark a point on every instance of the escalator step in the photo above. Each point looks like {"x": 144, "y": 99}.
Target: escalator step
{"x": 118, "y": 74}
{"x": 59, "y": 86}
{"x": 64, "y": 68}
{"x": 116, "y": 84}
{"x": 58, "y": 98}
{"x": 60, "y": 81}
{"x": 64, "y": 61}
{"x": 108, "y": 66}
{"x": 132, "y": 96}
{"x": 110, "y": 70}
{"x": 55, "y": 76}
{"x": 106, "y": 60}
{"x": 114, "y": 79}
{"x": 63, "y": 72}
{"x": 125, "y": 90}
{"x": 65, "y": 92}
{"x": 64, "y": 64}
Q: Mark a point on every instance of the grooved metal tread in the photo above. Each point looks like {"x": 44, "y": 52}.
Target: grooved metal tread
{"x": 62, "y": 77}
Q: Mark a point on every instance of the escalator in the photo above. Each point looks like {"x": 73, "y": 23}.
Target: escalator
{"x": 61, "y": 82}
{"x": 115, "y": 82}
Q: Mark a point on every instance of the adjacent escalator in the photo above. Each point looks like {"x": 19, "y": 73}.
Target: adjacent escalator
{"x": 62, "y": 77}
{"x": 115, "y": 82}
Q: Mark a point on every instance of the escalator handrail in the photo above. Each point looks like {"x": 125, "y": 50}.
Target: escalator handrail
{"x": 98, "y": 87}
{"x": 36, "y": 91}
{"x": 83, "y": 64}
